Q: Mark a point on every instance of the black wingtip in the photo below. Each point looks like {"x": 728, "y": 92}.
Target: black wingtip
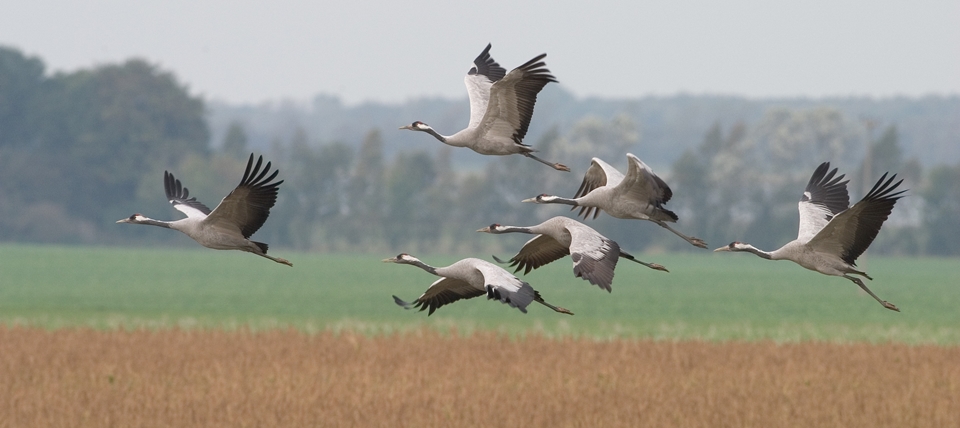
{"x": 251, "y": 170}
{"x": 167, "y": 178}
{"x": 883, "y": 189}
{"x": 246, "y": 172}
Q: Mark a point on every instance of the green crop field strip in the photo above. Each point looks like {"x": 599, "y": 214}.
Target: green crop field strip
{"x": 705, "y": 295}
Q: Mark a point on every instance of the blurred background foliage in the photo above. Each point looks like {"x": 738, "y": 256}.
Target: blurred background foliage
{"x": 80, "y": 150}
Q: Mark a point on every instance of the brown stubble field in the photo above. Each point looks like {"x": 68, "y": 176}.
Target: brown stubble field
{"x": 210, "y": 378}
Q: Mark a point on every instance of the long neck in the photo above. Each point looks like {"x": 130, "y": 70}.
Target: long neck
{"x": 565, "y": 201}
{"x": 435, "y": 134}
{"x": 153, "y": 222}
{"x": 751, "y": 249}
{"x": 424, "y": 266}
{"x": 513, "y": 229}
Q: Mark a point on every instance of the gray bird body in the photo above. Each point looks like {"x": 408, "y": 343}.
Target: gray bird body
{"x": 832, "y": 235}
{"x": 501, "y": 106}
{"x": 594, "y": 256}
{"x": 469, "y": 278}
{"x": 640, "y": 195}
{"x": 230, "y": 225}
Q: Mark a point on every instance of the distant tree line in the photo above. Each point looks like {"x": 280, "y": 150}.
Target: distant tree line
{"x": 926, "y": 126}
{"x": 80, "y": 150}
{"x": 75, "y": 146}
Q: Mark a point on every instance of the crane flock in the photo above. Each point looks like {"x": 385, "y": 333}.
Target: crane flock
{"x": 832, "y": 235}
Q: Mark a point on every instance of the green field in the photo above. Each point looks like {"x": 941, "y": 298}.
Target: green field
{"x": 706, "y": 295}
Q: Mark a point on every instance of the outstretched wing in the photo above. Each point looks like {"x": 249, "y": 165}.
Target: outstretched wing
{"x": 478, "y": 80}
{"x": 508, "y": 289}
{"x": 850, "y": 232}
{"x": 179, "y": 197}
{"x": 484, "y": 65}
{"x": 824, "y": 197}
{"x": 536, "y": 252}
{"x": 443, "y": 291}
{"x": 642, "y": 183}
{"x": 248, "y": 206}
{"x": 642, "y": 186}
{"x": 594, "y": 255}
{"x": 598, "y": 175}
{"x": 512, "y": 99}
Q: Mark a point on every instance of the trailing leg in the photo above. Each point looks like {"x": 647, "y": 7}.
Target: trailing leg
{"x": 885, "y": 303}
{"x": 540, "y": 300}
{"x": 697, "y": 242}
{"x": 554, "y": 165}
{"x": 655, "y": 266}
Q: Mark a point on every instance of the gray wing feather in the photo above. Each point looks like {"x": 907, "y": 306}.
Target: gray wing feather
{"x": 598, "y": 175}
{"x": 479, "y": 80}
{"x": 538, "y": 251}
{"x": 248, "y": 206}
{"x": 644, "y": 184}
{"x": 512, "y": 98}
{"x": 594, "y": 256}
{"x": 850, "y": 232}
{"x": 824, "y": 197}
{"x": 443, "y": 291}
{"x": 508, "y": 289}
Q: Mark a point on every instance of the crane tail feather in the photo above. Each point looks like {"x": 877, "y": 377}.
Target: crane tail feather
{"x": 403, "y": 304}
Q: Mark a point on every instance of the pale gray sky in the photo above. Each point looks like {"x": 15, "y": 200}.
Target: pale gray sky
{"x": 253, "y": 51}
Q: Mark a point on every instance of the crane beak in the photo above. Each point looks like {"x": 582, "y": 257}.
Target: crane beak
{"x": 486, "y": 229}
{"x": 125, "y": 220}
{"x": 529, "y": 200}
{"x": 726, "y": 248}
{"x": 406, "y": 127}
{"x": 390, "y": 260}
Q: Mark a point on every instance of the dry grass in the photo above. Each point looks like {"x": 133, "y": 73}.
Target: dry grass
{"x": 77, "y": 377}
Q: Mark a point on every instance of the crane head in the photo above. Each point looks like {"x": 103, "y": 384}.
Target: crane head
{"x": 542, "y": 198}
{"x": 735, "y": 246}
{"x": 493, "y": 228}
{"x": 403, "y": 258}
{"x": 136, "y": 218}
{"x": 417, "y": 126}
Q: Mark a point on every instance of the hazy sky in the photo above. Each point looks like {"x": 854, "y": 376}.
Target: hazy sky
{"x": 246, "y": 51}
